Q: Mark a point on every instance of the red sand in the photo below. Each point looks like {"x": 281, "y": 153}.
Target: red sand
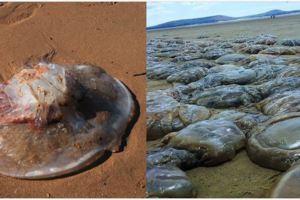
{"x": 110, "y": 35}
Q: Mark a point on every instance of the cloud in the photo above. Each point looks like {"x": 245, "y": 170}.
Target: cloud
{"x": 158, "y": 12}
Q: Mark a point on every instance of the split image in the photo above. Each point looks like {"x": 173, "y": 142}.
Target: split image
{"x": 149, "y": 99}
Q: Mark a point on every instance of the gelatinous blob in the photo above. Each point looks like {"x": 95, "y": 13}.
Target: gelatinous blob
{"x": 288, "y": 185}
{"x": 86, "y": 113}
{"x": 35, "y": 95}
{"x": 214, "y": 141}
{"x": 284, "y": 135}
{"x": 165, "y": 114}
{"x": 168, "y": 182}
{"x": 276, "y": 144}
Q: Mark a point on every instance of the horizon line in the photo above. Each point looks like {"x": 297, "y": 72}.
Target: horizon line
{"x": 215, "y": 16}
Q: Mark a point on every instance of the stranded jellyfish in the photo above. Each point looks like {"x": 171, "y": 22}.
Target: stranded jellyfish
{"x": 55, "y": 120}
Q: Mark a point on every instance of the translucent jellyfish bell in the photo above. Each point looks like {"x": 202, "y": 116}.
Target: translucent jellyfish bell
{"x": 64, "y": 128}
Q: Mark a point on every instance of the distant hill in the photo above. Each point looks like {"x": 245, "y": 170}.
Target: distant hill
{"x": 272, "y": 12}
{"x": 217, "y": 18}
{"x": 187, "y": 22}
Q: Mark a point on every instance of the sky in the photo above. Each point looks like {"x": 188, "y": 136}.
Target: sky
{"x": 160, "y": 12}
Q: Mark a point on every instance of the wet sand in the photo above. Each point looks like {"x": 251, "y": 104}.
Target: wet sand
{"x": 110, "y": 35}
{"x": 287, "y": 26}
{"x": 239, "y": 178}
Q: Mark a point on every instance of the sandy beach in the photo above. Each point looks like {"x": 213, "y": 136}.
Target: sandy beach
{"x": 285, "y": 26}
{"x": 109, "y": 35}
